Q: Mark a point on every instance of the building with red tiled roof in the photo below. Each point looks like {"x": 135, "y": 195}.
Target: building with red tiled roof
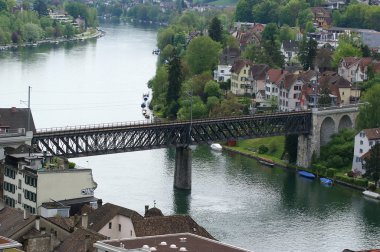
{"x": 167, "y": 243}
{"x": 322, "y": 16}
{"x": 241, "y": 83}
{"x": 364, "y": 141}
{"x": 273, "y": 81}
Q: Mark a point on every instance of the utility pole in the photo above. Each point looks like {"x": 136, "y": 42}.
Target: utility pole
{"x": 29, "y": 88}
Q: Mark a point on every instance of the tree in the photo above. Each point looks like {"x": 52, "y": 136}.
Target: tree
{"x": 372, "y": 164}
{"x": 323, "y": 59}
{"x": 174, "y": 80}
{"x": 202, "y": 54}
{"x": 345, "y": 49}
{"x": 215, "y": 30}
{"x": 243, "y": 11}
{"x": 324, "y": 99}
{"x": 41, "y": 7}
{"x": 212, "y": 89}
{"x": 192, "y": 107}
{"x": 3, "y": 5}
{"x": 31, "y": 32}
{"x": 307, "y": 53}
{"x": 69, "y": 31}
{"x": 266, "y": 12}
{"x": 369, "y": 112}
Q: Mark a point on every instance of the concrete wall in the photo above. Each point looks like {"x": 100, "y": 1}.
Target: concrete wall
{"x": 63, "y": 184}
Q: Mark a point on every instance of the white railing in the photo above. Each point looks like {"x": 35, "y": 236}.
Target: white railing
{"x": 12, "y": 132}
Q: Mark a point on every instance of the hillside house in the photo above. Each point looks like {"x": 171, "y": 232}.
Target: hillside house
{"x": 289, "y": 49}
{"x": 354, "y": 69}
{"x": 273, "y": 81}
{"x": 241, "y": 83}
{"x": 364, "y": 141}
{"x": 321, "y": 17}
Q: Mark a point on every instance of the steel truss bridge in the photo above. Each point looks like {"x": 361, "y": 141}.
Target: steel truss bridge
{"x": 88, "y": 140}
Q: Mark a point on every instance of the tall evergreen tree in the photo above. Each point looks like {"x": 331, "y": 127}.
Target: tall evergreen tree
{"x": 215, "y": 30}
{"x": 41, "y": 7}
{"x": 307, "y": 53}
{"x": 175, "y": 81}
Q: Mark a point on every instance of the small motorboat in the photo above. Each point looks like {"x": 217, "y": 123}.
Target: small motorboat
{"x": 216, "y": 147}
{"x": 372, "y": 195}
{"x": 143, "y": 105}
{"x": 326, "y": 181}
{"x": 145, "y": 96}
{"x": 266, "y": 162}
{"x": 306, "y": 174}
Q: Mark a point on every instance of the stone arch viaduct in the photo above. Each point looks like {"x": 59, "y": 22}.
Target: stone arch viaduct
{"x": 324, "y": 123}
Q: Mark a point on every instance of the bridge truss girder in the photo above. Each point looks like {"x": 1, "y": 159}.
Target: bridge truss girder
{"x": 98, "y": 141}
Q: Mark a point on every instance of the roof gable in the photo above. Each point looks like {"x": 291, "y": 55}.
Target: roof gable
{"x": 372, "y": 134}
{"x": 239, "y": 64}
{"x": 16, "y": 118}
{"x": 101, "y": 216}
{"x": 12, "y": 220}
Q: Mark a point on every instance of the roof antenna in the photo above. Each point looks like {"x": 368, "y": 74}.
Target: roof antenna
{"x": 154, "y": 203}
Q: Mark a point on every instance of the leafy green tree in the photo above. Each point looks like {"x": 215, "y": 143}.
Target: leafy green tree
{"x": 307, "y": 53}
{"x": 228, "y": 107}
{"x": 286, "y": 33}
{"x": 345, "y": 49}
{"x": 165, "y": 37}
{"x": 41, "y": 7}
{"x": 369, "y": 112}
{"x": 202, "y": 54}
{"x": 212, "y": 102}
{"x": 295, "y": 12}
{"x": 3, "y": 5}
{"x": 31, "y": 32}
{"x": 192, "y": 107}
{"x": 243, "y": 11}
{"x": 372, "y": 164}
{"x": 174, "y": 81}
{"x": 69, "y": 31}
{"x": 215, "y": 30}
{"x": 212, "y": 89}
{"x": 266, "y": 12}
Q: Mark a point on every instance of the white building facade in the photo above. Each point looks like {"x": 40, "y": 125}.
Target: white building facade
{"x": 222, "y": 73}
{"x": 364, "y": 141}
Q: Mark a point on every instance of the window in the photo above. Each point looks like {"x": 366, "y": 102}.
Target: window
{"x": 110, "y": 225}
{"x": 30, "y": 195}
{"x": 119, "y": 227}
{"x": 342, "y": 93}
{"x": 245, "y": 71}
{"x": 361, "y": 151}
{"x": 361, "y": 134}
{"x": 222, "y": 71}
{"x": 19, "y": 184}
{"x": 358, "y": 159}
{"x": 9, "y": 187}
{"x": 370, "y": 143}
{"x": 19, "y": 198}
{"x": 361, "y": 142}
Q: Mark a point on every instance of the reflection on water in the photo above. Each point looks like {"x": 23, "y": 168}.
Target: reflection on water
{"x": 182, "y": 201}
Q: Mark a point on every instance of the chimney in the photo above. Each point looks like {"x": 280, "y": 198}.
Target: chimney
{"x": 84, "y": 220}
{"x": 25, "y": 214}
{"x": 100, "y": 203}
{"x": 38, "y": 223}
{"x": 87, "y": 241}
{"x": 146, "y": 208}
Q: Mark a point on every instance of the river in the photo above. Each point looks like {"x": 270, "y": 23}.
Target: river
{"x": 233, "y": 197}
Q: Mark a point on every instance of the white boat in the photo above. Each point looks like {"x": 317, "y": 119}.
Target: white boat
{"x": 216, "y": 147}
{"x": 371, "y": 194}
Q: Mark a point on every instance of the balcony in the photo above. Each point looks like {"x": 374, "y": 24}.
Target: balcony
{"x": 12, "y": 132}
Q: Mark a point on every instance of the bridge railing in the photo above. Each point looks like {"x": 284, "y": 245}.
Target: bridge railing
{"x": 102, "y": 126}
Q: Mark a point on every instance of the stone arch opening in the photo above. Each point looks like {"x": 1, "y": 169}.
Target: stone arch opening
{"x": 327, "y": 130}
{"x": 345, "y": 123}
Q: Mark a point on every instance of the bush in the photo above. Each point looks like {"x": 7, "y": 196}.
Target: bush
{"x": 361, "y": 182}
{"x": 273, "y": 147}
{"x": 330, "y": 172}
{"x": 350, "y": 174}
{"x": 71, "y": 165}
{"x": 321, "y": 170}
{"x": 263, "y": 149}
{"x": 372, "y": 187}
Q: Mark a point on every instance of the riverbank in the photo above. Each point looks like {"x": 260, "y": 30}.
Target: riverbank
{"x": 285, "y": 165}
{"x": 89, "y": 34}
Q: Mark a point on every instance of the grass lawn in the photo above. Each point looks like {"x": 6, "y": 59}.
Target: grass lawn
{"x": 275, "y": 145}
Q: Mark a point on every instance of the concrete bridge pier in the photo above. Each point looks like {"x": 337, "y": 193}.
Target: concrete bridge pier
{"x": 182, "y": 173}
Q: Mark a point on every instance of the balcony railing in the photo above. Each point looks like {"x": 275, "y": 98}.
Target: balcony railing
{"x": 12, "y": 132}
